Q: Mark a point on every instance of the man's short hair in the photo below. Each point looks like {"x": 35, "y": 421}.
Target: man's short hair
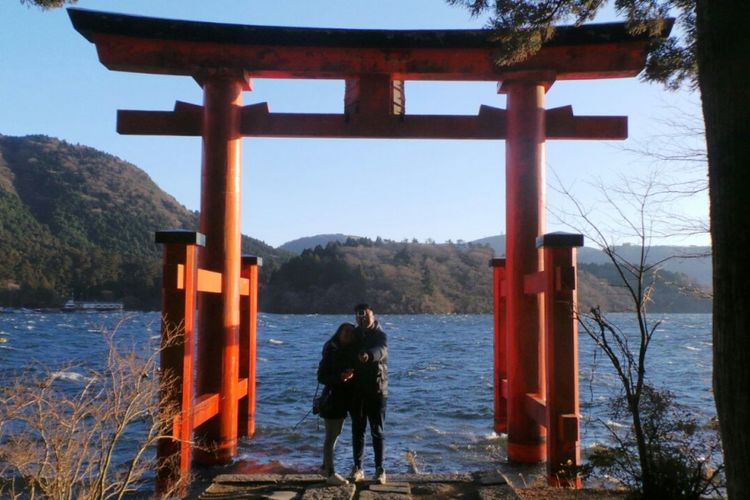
{"x": 362, "y": 307}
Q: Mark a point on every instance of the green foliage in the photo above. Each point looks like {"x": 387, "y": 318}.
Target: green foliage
{"x": 522, "y": 26}
{"x": 78, "y": 222}
{"x": 393, "y": 277}
{"x": 682, "y": 455}
{"x": 48, "y": 4}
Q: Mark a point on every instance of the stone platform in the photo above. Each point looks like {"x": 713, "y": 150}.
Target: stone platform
{"x": 483, "y": 486}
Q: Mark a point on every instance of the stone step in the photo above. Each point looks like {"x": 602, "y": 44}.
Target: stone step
{"x": 488, "y": 485}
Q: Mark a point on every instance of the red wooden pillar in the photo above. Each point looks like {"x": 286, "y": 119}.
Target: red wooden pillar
{"x": 218, "y": 358}
{"x": 561, "y": 328}
{"x": 180, "y": 271}
{"x": 248, "y": 343}
{"x": 525, "y": 199}
{"x": 500, "y": 350}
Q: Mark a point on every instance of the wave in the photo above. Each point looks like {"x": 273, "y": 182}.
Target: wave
{"x": 70, "y": 376}
{"x": 435, "y": 430}
{"x": 615, "y": 425}
{"x": 275, "y": 342}
{"x": 492, "y": 436}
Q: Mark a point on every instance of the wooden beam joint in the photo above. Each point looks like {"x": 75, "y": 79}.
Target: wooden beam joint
{"x": 536, "y": 408}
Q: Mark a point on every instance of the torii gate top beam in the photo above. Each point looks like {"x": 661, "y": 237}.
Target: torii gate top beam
{"x": 165, "y": 46}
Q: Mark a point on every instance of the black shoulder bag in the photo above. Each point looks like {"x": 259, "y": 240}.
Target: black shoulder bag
{"x": 321, "y": 402}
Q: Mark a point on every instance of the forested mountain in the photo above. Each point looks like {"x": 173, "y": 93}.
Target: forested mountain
{"x": 392, "y": 277}
{"x": 693, "y": 261}
{"x": 76, "y": 222}
{"x": 309, "y": 242}
{"x": 600, "y": 285}
{"x": 400, "y": 277}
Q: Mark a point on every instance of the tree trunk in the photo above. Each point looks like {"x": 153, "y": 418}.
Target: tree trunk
{"x": 644, "y": 454}
{"x": 724, "y": 75}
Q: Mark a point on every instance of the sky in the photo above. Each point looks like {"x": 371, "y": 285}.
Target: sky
{"x": 52, "y": 83}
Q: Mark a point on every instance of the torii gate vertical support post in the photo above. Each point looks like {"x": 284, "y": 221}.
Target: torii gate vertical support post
{"x": 561, "y": 341}
{"x": 218, "y": 357}
{"x": 500, "y": 375}
{"x": 248, "y": 344}
{"x": 525, "y": 203}
{"x": 176, "y": 356}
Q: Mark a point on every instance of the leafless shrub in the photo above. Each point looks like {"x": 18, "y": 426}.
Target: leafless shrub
{"x": 91, "y": 441}
{"x": 661, "y": 454}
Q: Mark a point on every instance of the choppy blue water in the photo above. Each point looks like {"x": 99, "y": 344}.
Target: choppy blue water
{"x": 440, "y": 403}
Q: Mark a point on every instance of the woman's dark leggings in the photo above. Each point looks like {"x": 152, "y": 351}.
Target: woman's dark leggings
{"x": 333, "y": 429}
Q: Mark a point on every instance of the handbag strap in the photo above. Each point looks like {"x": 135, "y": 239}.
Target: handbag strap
{"x": 308, "y": 411}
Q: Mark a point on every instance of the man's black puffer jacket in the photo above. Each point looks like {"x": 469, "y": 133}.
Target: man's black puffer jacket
{"x": 371, "y": 378}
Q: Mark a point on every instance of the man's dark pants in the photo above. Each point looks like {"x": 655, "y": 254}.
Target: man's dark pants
{"x": 368, "y": 408}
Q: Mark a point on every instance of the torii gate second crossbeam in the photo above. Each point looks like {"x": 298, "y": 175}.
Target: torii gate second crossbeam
{"x": 222, "y": 58}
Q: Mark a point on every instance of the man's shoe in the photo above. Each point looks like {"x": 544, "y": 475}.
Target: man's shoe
{"x": 380, "y": 475}
{"x": 357, "y": 475}
{"x": 336, "y": 480}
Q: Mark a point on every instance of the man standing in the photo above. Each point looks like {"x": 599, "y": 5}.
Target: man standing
{"x": 371, "y": 394}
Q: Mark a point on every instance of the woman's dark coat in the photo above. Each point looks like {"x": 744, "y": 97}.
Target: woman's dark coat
{"x": 336, "y": 360}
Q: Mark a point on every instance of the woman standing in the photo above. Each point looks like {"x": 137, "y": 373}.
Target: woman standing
{"x": 336, "y": 371}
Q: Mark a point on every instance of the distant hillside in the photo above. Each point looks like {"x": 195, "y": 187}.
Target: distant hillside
{"x": 393, "y": 277}
{"x": 693, "y": 261}
{"x": 600, "y": 285}
{"x": 78, "y": 222}
{"x": 399, "y": 277}
{"x": 310, "y": 242}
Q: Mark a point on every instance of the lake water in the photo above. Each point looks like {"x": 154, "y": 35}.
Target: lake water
{"x": 440, "y": 404}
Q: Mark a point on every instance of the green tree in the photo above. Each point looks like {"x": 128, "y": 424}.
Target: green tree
{"x": 48, "y": 4}
{"x": 709, "y": 50}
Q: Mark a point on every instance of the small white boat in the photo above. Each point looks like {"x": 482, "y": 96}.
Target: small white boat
{"x": 74, "y": 306}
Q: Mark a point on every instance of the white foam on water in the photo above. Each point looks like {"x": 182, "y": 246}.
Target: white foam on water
{"x": 275, "y": 342}
{"x": 70, "y": 376}
{"x": 435, "y": 430}
{"x": 616, "y": 425}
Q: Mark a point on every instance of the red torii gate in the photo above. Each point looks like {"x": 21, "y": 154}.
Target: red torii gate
{"x": 536, "y": 363}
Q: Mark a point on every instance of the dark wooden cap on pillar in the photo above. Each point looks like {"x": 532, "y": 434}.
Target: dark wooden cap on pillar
{"x": 559, "y": 239}
{"x": 497, "y": 262}
{"x": 181, "y": 237}
{"x": 252, "y": 260}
